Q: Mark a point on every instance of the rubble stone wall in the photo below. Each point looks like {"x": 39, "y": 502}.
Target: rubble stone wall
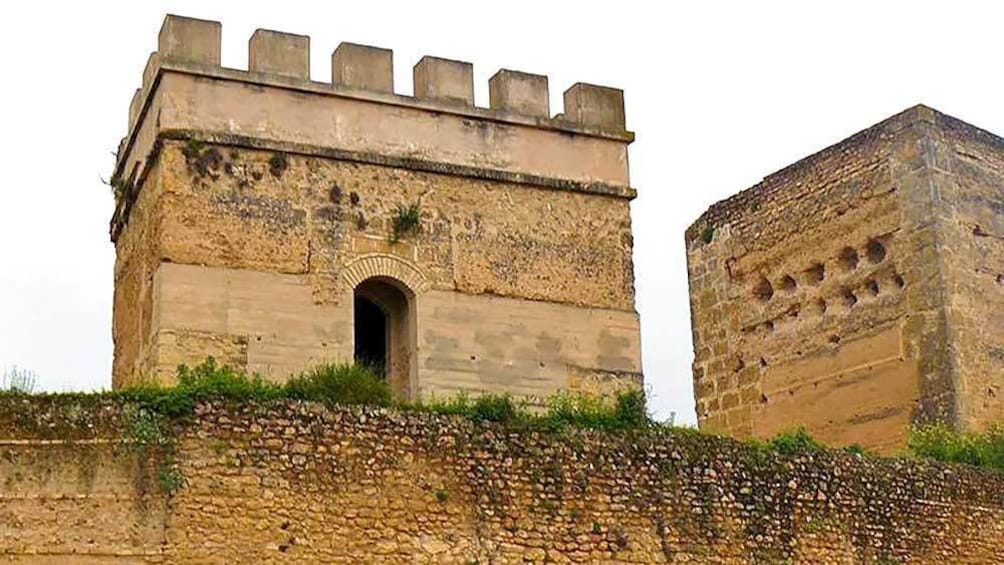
{"x": 299, "y": 482}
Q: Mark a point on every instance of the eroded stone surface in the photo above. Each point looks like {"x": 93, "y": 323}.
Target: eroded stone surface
{"x": 233, "y": 251}
{"x": 840, "y": 293}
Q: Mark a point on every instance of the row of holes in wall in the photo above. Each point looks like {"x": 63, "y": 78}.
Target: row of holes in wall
{"x": 847, "y": 298}
{"x": 847, "y": 261}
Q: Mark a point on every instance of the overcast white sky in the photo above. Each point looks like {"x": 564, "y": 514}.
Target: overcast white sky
{"x": 719, "y": 94}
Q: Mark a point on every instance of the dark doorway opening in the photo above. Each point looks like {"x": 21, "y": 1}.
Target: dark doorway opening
{"x": 371, "y": 335}
{"x": 385, "y": 332}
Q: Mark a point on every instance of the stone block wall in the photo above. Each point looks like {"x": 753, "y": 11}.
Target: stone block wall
{"x": 838, "y": 293}
{"x": 968, "y": 174}
{"x": 254, "y": 205}
{"x": 71, "y": 491}
{"x": 302, "y": 483}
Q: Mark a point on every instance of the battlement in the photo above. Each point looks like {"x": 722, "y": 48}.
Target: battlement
{"x": 512, "y": 130}
{"x": 515, "y": 96}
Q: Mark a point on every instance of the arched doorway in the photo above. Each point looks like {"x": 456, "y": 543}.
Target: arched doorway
{"x": 384, "y": 318}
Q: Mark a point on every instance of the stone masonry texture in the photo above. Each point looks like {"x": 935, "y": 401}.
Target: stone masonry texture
{"x": 299, "y": 482}
{"x": 254, "y": 206}
{"x": 857, "y": 292}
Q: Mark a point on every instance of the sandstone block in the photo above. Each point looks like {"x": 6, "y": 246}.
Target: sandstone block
{"x": 279, "y": 53}
{"x": 363, "y": 67}
{"x": 444, "y": 80}
{"x": 597, "y": 106}
{"x": 190, "y": 39}
{"x": 519, "y": 92}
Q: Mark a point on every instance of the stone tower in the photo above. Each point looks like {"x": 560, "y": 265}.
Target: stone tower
{"x": 276, "y": 223}
{"x": 858, "y": 291}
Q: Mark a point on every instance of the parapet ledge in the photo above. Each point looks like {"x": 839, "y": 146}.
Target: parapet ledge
{"x": 193, "y": 46}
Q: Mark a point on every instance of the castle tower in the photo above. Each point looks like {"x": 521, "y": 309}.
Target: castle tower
{"x": 276, "y": 223}
{"x": 857, "y": 292}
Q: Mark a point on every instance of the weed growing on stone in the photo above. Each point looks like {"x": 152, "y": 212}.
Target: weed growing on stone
{"x": 708, "y": 234}
{"x": 169, "y": 477}
{"x": 18, "y": 380}
{"x": 562, "y": 411}
{"x": 794, "y": 442}
{"x": 567, "y": 410}
{"x": 941, "y": 442}
{"x": 346, "y": 384}
{"x": 206, "y": 381}
{"x": 407, "y": 219}
{"x": 339, "y": 384}
{"x": 200, "y": 158}
{"x": 120, "y": 187}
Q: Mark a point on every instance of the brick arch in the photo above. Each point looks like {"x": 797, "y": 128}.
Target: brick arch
{"x": 384, "y": 265}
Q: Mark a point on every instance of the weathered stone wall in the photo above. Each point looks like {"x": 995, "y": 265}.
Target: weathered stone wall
{"x": 969, "y": 175}
{"x": 300, "y": 482}
{"x": 253, "y": 203}
{"x": 800, "y": 287}
{"x": 70, "y": 491}
{"x": 516, "y": 288}
{"x": 853, "y": 293}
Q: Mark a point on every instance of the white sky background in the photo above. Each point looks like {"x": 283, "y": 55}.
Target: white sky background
{"x": 719, "y": 94}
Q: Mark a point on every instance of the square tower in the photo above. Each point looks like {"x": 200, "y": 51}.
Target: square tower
{"x": 857, "y": 292}
{"x": 276, "y": 223}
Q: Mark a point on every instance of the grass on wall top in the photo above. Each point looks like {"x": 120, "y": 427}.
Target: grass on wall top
{"x": 347, "y": 384}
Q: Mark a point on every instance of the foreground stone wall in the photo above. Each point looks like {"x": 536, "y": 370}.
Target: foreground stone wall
{"x": 71, "y": 491}
{"x": 300, "y": 482}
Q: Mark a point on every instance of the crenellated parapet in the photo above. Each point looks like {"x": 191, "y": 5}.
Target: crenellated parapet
{"x": 588, "y": 108}
{"x": 185, "y": 89}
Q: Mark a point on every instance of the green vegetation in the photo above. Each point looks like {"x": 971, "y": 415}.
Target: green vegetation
{"x": 344, "y": 384}
{"x": 200, "y": 158}
{"x": 407, "y": 219}
{"x": 151, "y": 411}
{"x": 329, "y": 384}
{"x": 119, "y": 186}
{"x": 18, "y": 380}
{"x": 937, "y": 442}
{"x": 206, "y": 381}
{"x": 708, "y": 234}
{"x": 794, "y": 442}
{"x": 194, "y": 147}
{"x": 627, "y": 412}
{"x": 339, "y": 384}
{"x": 941, "y": 442}
{"x": 169, "y": 477}
{"x": 858, "y": 449}
{"x": 562, "y": 411}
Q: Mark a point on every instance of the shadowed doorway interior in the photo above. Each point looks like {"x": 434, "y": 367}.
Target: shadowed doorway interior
{"x": 371, "y": 335}
{"x": 384, "y": 331}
